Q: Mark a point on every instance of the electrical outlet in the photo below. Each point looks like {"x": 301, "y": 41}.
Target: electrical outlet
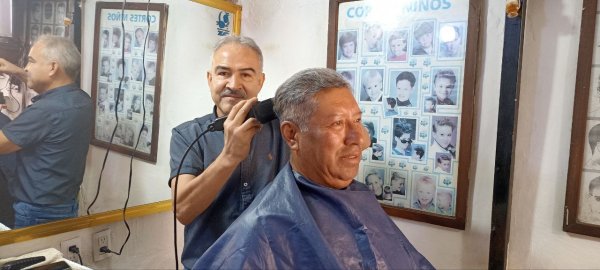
{"x": 64, "y": 249}
{"x": 101, "y": 239}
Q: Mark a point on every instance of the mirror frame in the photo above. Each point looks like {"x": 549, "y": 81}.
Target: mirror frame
{"x": 82, "y": 222}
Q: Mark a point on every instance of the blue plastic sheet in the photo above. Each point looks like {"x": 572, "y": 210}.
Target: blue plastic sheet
{"x": 296, "y": 224}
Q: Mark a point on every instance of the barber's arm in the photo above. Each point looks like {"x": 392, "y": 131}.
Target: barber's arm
{"x": 13, "y": 70}
{"x": 196, "y": 193}
{"x": 6, "y": 146}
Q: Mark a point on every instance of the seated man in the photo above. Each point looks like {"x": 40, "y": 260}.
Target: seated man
{"x": 314, "y": 215}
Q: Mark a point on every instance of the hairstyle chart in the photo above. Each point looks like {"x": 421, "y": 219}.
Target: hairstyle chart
{"x": 406, "y": 66}
{"x": 139, "y": 44}
{"x": 48, "y": 18}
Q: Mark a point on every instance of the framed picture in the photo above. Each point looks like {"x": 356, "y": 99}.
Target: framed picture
{"x": 126, "y": 81}
{"x": 47, "y": 17}
{"x": 412, "y": 65}
{"x": 582, "y": 200}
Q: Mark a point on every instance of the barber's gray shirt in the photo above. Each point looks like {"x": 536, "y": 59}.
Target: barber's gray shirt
{"x": 54, "y": 134}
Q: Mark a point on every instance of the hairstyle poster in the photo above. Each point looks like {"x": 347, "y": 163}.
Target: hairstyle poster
{"x": 406, "y": 65}
{"x": 50, "y": 17}
{"x": 126, "y": 83}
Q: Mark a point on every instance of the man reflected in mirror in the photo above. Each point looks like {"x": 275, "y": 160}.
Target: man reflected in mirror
{"x": 50, "y": 137}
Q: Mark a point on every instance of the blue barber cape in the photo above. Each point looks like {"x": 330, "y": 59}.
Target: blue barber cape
{"x": 296, "y": 224}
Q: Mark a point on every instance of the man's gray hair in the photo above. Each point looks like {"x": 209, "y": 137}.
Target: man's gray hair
{"x": 295, "y": 98}
{"x": 241, "y": 40}
{"x": 64, "y": 52}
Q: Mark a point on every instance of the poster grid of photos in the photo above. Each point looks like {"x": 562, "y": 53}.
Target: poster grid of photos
{"x": 589, "y": 199}
{"x": 47, "y": 18}
{"x": 136, "y": 92}
{"x": 407, "y": 78}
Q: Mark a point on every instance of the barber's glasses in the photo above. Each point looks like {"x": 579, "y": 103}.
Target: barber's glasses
{"x": 406, "y": 141}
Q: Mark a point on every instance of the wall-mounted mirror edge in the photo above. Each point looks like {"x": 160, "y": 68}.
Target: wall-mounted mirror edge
{"x": 67, "y": 225}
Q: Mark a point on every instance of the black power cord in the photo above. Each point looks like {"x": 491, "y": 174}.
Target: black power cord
{"x": 216, "y": 125}
{"x": 105, "y": 249}
{"x": 75, "y": 249}
{"x": 117, "y": 99}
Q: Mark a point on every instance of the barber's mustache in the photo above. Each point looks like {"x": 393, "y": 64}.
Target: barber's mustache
{"x": 233, "y": 93}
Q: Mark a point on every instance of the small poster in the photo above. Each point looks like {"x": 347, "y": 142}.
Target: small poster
{"x": 128, "y": 51}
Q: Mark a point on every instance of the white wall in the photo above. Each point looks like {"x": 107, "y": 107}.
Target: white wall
{"x": 542, "y": 149}
{"x": 291, "y": 34}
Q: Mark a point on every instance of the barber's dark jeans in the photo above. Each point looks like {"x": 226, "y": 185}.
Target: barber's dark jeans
{"x": 27, "y": 214}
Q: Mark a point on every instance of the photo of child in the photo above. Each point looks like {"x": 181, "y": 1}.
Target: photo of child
{"x": 377, "y": 152}
{"x": 589, "y": 205}
{"x": 390, "y": 107}
{"x": 418, "y": 153}
{"x": 429, "y": 103}
{"x": 423, "y": 39}
{"x": 370, "y": 125}
{"x": 424, "y": 194}
{"x": 403, "y": 136}
{"x": 387, "y": 193}
{"x": 398, "y": 183}
{"x": 443, "y": 136}
{"x": 402, "y": 87}
{"x": 444, "y": 82}
{"x": 397, "y": 42}
{"x": 372, "y": 85}
{"x": 373, "y": 38}
{"x": 443, "y": 163}
{"x": 347, "y": 46}
{"x": 349, "y": 75}
{"x": 451, "y": 41}
{"x": 374, "y": 180}
{"x": 592, "y": 154}
{"x": 444, "y": 199}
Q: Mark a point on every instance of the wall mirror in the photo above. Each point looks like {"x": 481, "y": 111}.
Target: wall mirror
{"x": 192, "y": 28}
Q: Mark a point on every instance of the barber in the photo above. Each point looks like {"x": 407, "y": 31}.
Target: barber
{"x": 51, "y": 137}
{"x": 225, "y": 170}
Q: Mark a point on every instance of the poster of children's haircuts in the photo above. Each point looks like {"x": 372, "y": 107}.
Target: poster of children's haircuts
{"x": 407, "y": 64}
{"x": 128, "y": 51}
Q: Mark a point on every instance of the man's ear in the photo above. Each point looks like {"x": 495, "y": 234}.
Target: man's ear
{"x": 208, "y": 77}
{"x": 290, "y": 132}
{"x": 262, "y": 79}
{"x": 53, "y": 69}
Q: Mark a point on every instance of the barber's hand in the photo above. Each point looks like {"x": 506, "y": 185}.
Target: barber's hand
{"x": 239, "y": 132}
{"x": 9, "y": 68}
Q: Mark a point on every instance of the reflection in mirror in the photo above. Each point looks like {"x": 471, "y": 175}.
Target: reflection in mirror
{"x": 184, "y": 89}
{"x": 43, "y": 151}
